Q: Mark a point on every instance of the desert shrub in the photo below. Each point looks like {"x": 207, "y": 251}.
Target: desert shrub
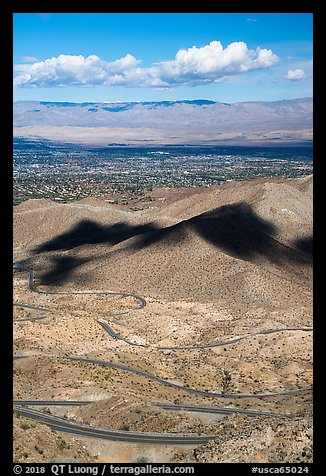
{"x": 39, "y": 450}
{"x": 24, "y": 425}
{"x": 141, "y": 460}
{"x": 61, "y": 444}
{"x": 124, "y": 427}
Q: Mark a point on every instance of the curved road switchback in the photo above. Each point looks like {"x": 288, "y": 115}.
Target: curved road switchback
{"x": 164, "y": 406}
{"x": 163, "y": 381}
{"x": 32, "y": 287}
{"x": 25, "y": 306}
{"x": 33, "y": 308}
{"x": 217, "y": 410}
{"x": 61, "y": 424}
{"x": 115, "y": 335}
{"x": 53, "y": 403}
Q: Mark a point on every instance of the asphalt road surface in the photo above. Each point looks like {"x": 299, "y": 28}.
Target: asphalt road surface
{"x": 181, "y": 387}
{"x": 33, "y": 308}
{"x": 61, "y": 424}
{"x": 217, "y": 410}
{"x": 114, "y": 335}
{"x": 54, "y": 403}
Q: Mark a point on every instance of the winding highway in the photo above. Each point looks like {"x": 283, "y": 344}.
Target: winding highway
{"x": 32, "y": 287}
{"x": 164, "y": 406}
{"x": 203, "y": 393}
{"x": 217, "y": 410}
{"x": 34, "y": 308}
{"x": 61, "y": 424}
{"x": 76, "y": 428}
{"x": 114, "y": 335}
{"x": 53, "y": 403}
{"x": 142, "y": 304}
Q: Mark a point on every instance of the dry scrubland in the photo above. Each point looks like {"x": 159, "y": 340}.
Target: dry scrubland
{"x": 213, "y": 264}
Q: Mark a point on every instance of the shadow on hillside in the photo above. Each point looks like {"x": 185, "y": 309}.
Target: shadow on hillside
{"x": 234, "y": 229}
{"x": 89, "y": 232}
{"x": 240, "y": 232}
{"x": 171, "y": 235}
{"x": 305, "y": 245}
{"x": 61, "y": 270}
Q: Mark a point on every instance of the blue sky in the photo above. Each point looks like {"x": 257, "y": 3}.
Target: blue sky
{"x": 162, "y": 56}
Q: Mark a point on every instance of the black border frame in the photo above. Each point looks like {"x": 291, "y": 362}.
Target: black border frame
{"x": 96, "y": 6}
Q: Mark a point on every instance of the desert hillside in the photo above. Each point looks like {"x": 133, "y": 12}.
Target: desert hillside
{"x": 249, "y": 242}
{"x": 213, "y": 264}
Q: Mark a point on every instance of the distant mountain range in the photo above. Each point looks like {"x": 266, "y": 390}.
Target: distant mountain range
{"x": 177, "y": 122}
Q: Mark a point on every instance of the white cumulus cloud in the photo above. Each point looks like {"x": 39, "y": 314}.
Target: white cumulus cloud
{"x": 295, "y": 75}
{"x": 211, "y": 63}
{"x": 73, "y": 70}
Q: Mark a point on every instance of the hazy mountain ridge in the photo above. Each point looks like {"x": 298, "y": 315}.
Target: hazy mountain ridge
{"x": 166, "y": 121}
